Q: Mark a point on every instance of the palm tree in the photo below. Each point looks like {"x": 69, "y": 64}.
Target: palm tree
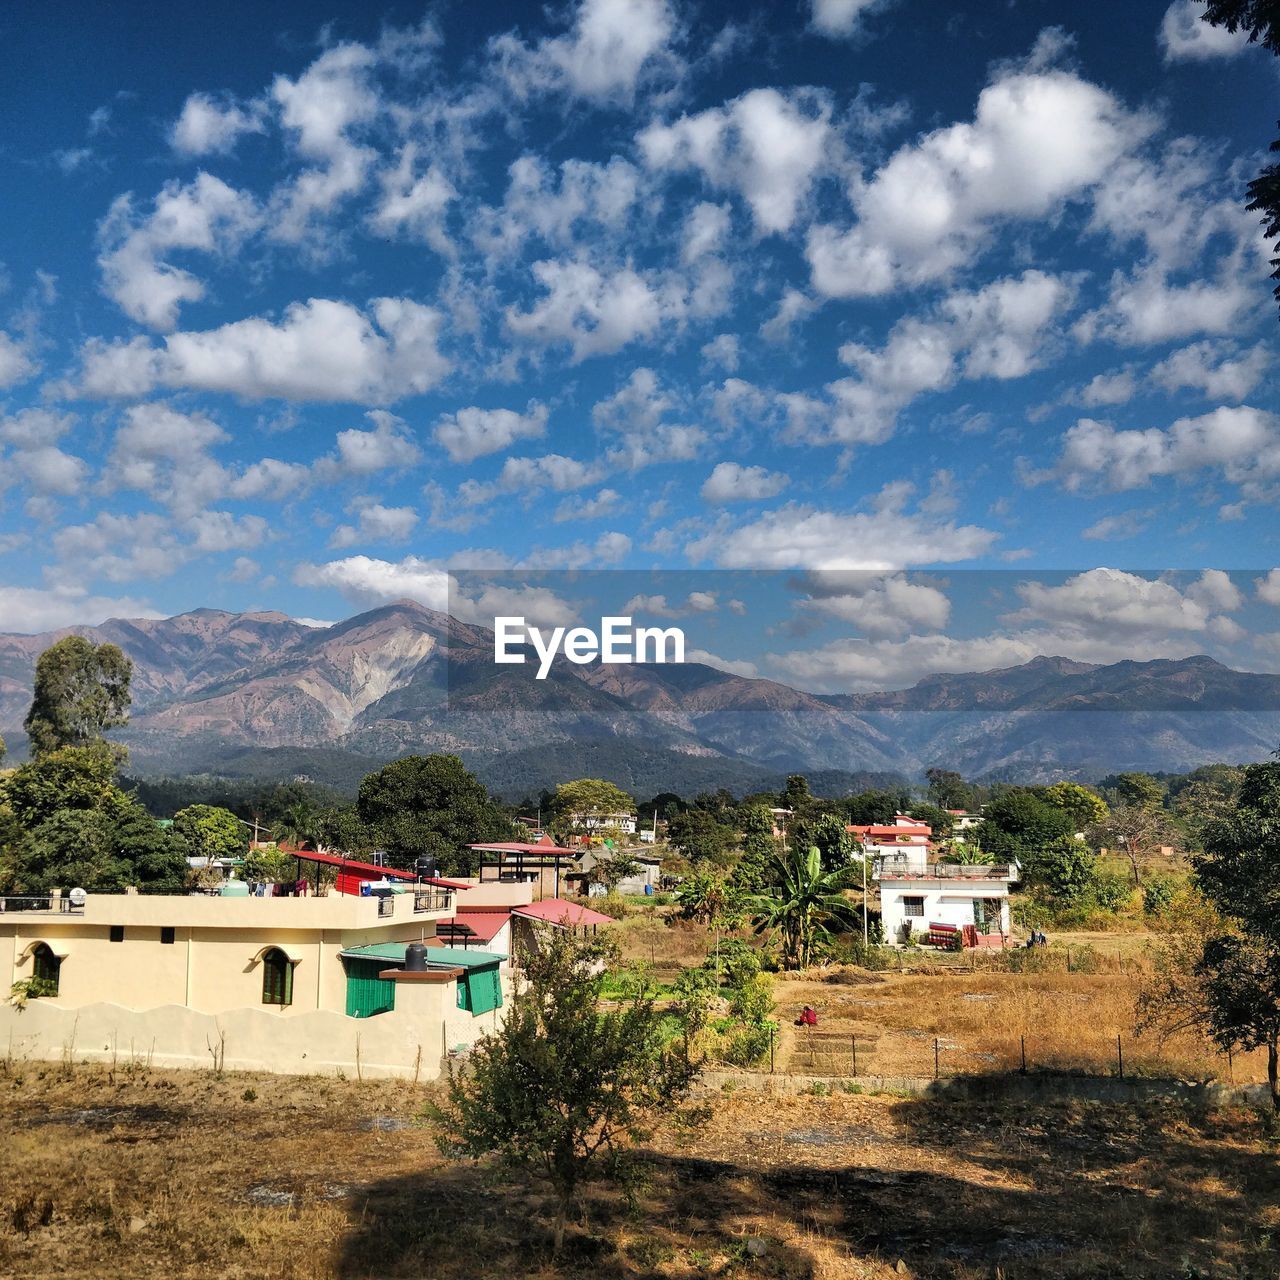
{"x": 296, "y": 824}
{"x": 806, "y": 900}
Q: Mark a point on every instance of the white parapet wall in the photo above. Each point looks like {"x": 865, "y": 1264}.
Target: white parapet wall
{"x": 409, "y": 1042}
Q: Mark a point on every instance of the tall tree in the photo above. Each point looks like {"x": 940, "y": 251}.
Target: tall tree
{"x": 756, "y": 866}
{"x": 948, "y": 790}
{"x": 589, "y": 805}
{"x": 1261, "y": 20}
{"x": 209, "y": 832}
{"x": 829, "y": 834}
{"x": 81, "y": 691}
{"x": 1082, "y": 805}
{"x": 598, "y": 1075}
{"x": 430, "y": 807}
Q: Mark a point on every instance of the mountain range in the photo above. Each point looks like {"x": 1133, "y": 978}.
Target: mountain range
{"x": 260, "y": 694}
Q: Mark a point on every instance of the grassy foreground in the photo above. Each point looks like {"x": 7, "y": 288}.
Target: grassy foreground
{"x": 186, "y": 1174}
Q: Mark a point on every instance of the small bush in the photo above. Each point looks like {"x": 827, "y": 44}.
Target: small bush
{"x": 612, "y": 904}
{"x": 748, "y": 1046}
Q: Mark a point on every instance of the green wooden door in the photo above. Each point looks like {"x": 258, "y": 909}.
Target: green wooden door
{"x": 368, "y": 994}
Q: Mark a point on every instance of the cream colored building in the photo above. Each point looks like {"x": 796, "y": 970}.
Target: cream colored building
{"x": 287, "y": 984}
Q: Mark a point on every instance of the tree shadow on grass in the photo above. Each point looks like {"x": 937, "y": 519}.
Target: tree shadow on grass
{"x": 1038, "y": 1193}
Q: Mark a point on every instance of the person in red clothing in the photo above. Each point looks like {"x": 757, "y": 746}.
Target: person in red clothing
{"x": 808, "y": 1017}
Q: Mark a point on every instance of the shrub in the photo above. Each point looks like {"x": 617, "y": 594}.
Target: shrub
{"x": 1157, "y": 894}
{"x": 748, "y": 1046}
{"x": 1110, "y": 890}
{"x": 612, "y": 904}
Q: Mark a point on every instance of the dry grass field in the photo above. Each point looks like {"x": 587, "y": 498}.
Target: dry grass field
{"x": 186, "y": 1175}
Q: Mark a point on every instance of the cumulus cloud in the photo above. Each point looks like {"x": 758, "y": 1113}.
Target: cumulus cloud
{"x": 732, "y": 482}
{"x": 376, "y": 523}
{"x": 766, "y": 146}
{"x": 839, "y": 19}
{"x": 17, "y": 361}
{"x": 471, "y": 433}
{"x": 611, "y": 46}
{"x": 877, "y": 604}
{"x": 1219, "y": 372}
{"x": 208, "y": 126}
{"x": 1184, "y": 36}
{"x": 1039, "y": 138}
{"x": 367, "y": 581}
{"x": 204, "y": 215}
{"x": 36, "y": 609}
{"x": 1241, "y": 443}
{"x": 802, "y": 536}
{"x": 319, "y": 350}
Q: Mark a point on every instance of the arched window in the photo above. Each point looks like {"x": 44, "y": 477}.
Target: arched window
{"x": 45, "y": 966}
{"x": 277, "y": 977}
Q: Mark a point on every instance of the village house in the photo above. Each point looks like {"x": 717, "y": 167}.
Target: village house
{"x": 387, "y": 979}
{"x": 924, "y": 898}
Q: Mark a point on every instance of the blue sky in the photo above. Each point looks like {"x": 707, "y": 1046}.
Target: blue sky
{"x": 304, "y": 305}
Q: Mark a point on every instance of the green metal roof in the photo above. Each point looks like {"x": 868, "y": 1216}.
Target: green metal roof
{"x": 456, "y": 956}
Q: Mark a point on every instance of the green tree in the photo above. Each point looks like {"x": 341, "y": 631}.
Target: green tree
{"x": 208, "y": 832}
{"x": 71, "y": 848}
{"x": 344, "y": 829}
{"x": 796, "y": 794}
{"x": 430, "y": 807}
{"x": 81, "y": 691}
{"x": 700, "y": 836}
{"x": 597, "y": 1075}
{"x": 1084, "y": 806}
{"x": 1138, "y": 790}
{"x": 948, "y": 790}
{"x": 1239, "y": 966}
{"x": 585, "y": 806}
{"x": 755, "y": 867}
{"x": 1064, "y": 866}
{"x": 1017, "y": 822}
{"x": 938, "y": 819}
{"x": 297, "y": 825}
{"x": 830, "y": 835}
{"x": 873, "y": 808}
{"x": 806, "y": 901}
{"x": 1261, "y": 20}
{"x": 154, "y": 855}
{"x": 81, "y": 778}
{"x": 711, "y": 900}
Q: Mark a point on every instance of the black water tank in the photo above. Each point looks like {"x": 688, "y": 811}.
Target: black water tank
{"x": 415, "y": 958}
{"x": 425, "y": 868}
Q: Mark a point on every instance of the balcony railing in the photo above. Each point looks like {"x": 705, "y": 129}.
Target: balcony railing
{"x": 910, "y": 869}
{"x": 40, "y": 902}
{"x": 432, "y": 899}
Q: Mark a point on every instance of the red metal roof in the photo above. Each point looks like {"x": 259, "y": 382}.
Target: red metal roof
{"x": 350, "y": 864}
{"x": 515, "y": 846}
{"x": 558, "y": 911}
{"x": 484, "y": 925}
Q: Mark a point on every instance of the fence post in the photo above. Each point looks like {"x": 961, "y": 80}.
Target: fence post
{"x": 1231, "y": 1069}
{"x": 1068, "y": 957}
{"x": 936, "y": 1072}
{"x": 1120, "y": 1056}
{"x": 772, "y": 1032}
{"x": 853, "y": 1040}
{"x": 1024, "y": 1055}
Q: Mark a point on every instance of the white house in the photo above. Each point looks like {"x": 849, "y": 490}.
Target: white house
{"x": 918, "y": 893}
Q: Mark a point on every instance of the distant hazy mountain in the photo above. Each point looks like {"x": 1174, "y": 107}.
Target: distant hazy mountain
{"x": 261, "y": 694}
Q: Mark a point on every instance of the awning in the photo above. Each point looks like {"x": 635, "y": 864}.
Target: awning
{"x": 392, "y": 953}
{"x": 483, "y": 926}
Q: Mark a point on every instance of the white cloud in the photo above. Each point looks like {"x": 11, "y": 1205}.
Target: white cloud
{"x": 607, "y": 502}
{"x": 806, "y": 537}
{"x": 388, "y": 446}
{"x": 1216, "y": 370}
{"x": 204, "y": 215}
{"x": 732, "y": 482}
{"x": 610, "y": 47}
{"x": 471, "y": 433}
{"x": 877, "y": 604}
{"x": 1184, "y": 36}
{"x": 839, "y": 19}
{"x": 319, "y": 350}
{"x": 414, "y": 201}
{"x": 367, "y": 581}
{"x": 218, "y": 531}
{"x": 17, "y": 363}
{"x": 1124, "y": 602}
{"x": 209, "y": 127}
{"x": 594, "y": 312}
{"x": 1125, "y": 524}
{"x": 376, "y": 523}
{"x": 1242, "y": 443}
{"x": 1038, "y": 139}
{"x": 1267, "y": 588}
{"x": 330, "y": 99}
{"x": 723, "y": 351}
{"x": 30, "y": 610}
{"x": 734, "y": 666}
{"x": 766, "y": 146}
